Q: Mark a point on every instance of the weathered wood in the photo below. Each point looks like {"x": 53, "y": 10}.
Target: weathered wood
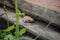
{"x": 36, "y": 28}
{"x": 37, "y": 11}
{"x": 1, "y": 12}
{"x": 50, "y": 4}
{"x": 7, "y": 3}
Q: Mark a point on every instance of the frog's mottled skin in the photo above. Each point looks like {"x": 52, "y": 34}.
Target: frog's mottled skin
{"x": 28, "y": 19}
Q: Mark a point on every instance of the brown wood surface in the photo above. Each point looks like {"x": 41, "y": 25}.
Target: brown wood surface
{"x": 52, "y": 4}
{"x": 37, "y": 28}
{"x": 36, "y": 8}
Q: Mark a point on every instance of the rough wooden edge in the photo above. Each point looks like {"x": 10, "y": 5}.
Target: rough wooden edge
{"x": 36, "y": 29}
{"x": 35, "y": 10}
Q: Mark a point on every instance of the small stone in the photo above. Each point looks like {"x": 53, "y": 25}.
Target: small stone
{"x": 28, "y": 19}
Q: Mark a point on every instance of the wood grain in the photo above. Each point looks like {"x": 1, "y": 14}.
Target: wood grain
{"x": 36, "y": 28}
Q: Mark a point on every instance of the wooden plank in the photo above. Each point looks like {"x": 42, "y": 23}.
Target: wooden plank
{"x": 7, "y": 3}
{"x": 1, "y": 12}
{"x": 36, "y": 28}
{"x": 51, "y": 4}
{"x": 37, "y": 11}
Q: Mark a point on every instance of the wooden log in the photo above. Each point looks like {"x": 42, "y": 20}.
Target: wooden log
{"x": 37, "y": 28}
{"x": 32, "y": 9}
{"x": 50, "y": 4}
{"x": 7, "y": 3}
{"x": 37, "y": 11}
{"x": 1, "y": 12}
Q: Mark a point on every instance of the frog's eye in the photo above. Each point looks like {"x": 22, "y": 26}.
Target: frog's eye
{"x": 29, "y": 20}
